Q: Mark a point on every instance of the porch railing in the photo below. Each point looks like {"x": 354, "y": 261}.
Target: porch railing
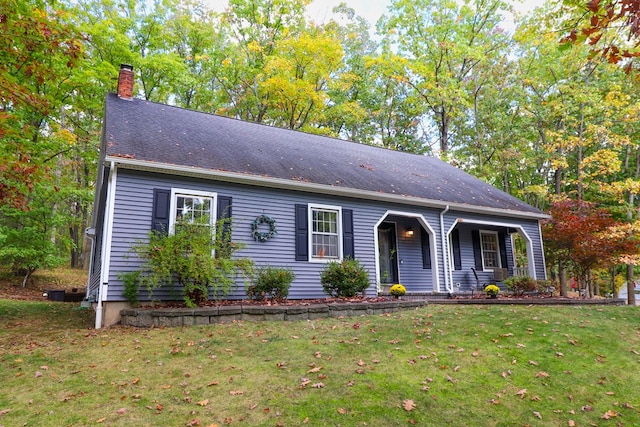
{"x": 521, "y": 271}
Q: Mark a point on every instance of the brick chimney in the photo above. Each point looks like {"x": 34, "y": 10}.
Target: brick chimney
{"x": 125, "y": 82}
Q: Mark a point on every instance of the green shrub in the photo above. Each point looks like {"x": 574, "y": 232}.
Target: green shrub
{"x": 272, "y": 283}
{"x": 521, "y": 284}
{"x": 131, "y": 286}
{"x": 185, "y": 258}
{"x": 344, "y": 279}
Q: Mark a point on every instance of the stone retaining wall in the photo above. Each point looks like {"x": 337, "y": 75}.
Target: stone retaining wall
{"x": 174, "y": 317}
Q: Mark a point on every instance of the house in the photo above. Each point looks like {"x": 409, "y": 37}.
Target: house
{"x": 407, "y": 218}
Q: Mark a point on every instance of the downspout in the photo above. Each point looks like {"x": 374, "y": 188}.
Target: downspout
{"x": 90, "y": 232}
{"x": 106, "y": 241}
{"x": 445, "y": 251}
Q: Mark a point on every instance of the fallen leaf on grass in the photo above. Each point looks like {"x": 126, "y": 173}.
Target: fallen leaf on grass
{"x": 408, "y": 405}
{"x": 203, "y": 402}
{"x": 571, "y": 423}
{"x": 542, "y": 374}
{"x": 316, "y": 369}
{"x": 101, "y": 420}
{"x": 537, "y": 414}
{"x": 533, "y": 362}
{"x": 342, "y": 411}
{"x": 317, "y": 385}
{"x": 121, "y": 411}
{"x": 236, "y": 392}
{"x": 4, "y": 412}
{"x": 609, "y": 414}
{"x": 521, "y": 393}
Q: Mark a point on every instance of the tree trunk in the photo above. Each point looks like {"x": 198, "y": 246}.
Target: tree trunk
{"x": 631, "y": 296}
{"x": 562, "y": 273}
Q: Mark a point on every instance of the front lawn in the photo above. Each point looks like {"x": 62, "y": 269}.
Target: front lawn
{"x": 456, "y": 365}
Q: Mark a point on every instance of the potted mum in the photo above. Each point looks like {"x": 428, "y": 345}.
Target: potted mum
{"x": 492, "y": 290}
{"x": 397, "y": 290}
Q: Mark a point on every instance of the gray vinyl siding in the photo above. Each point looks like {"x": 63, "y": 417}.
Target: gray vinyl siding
{"x": 132, "y": 220}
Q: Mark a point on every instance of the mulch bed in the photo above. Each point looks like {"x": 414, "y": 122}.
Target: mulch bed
{"x": 271, "y": 303}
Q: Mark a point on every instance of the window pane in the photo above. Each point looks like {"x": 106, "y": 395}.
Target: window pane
{"x": 324, "y": 238}
{"x": 193, "y": 209}
{"x": 490, "y": 250}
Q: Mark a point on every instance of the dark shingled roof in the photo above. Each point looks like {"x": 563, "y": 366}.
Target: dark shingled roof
{"x": 164, "y": 135}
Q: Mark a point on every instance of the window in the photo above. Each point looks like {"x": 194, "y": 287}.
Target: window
{"x": 490, "y": 250}
{"x": 325, "y": 227}
{"x": 192, "y": 207}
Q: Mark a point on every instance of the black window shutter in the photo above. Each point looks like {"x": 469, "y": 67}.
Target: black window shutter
{"x": 426, "y": 250}
{"x": 224, "y": 213}
{"x": 502, "y": 241}
{"x": 455, "y": 244}
{"x": 302, "y": 235}
{"x": 477, "y": 250}
{"x": 348, "y": 246}
{"x": 160, "y": 216}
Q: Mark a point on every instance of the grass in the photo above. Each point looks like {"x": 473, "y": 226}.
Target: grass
{"x": 456, "y": 365}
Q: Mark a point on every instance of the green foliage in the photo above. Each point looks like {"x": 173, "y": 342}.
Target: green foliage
{"x": 185, "y": 258}
{"x": 271, "y": 282}
{"x": 32, "y": 239}
{"x": 345, "y": 278}
{"x": 131, "y": 286}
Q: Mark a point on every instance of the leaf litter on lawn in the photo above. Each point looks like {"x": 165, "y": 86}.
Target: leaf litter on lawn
{"x": 462, "y": 363}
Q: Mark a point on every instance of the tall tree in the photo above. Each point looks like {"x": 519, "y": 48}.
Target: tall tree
{"x": 443, "y": 44}
{"x": 38, "y": 50}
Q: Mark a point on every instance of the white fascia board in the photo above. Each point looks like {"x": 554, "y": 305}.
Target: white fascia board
{"x": 286, "y": 184}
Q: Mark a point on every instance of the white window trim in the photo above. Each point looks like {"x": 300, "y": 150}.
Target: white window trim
{"x": 191, "y": 193}
{"x": 310, "y": 209}
{"x": 498, "y": 256}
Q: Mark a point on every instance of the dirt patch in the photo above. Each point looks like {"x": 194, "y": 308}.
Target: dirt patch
{"x": 40, "y": 282}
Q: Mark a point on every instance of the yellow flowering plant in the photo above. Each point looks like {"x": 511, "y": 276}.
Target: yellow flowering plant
{"x": 492, "y": 290}
{"x": 397, "y": 290}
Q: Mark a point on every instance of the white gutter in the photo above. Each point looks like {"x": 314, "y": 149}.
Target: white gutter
{"x": 445, "y": 252}
{"x": 107, "y": 230}
{"x": 266, "y": 181}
